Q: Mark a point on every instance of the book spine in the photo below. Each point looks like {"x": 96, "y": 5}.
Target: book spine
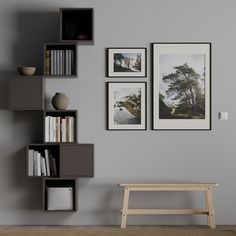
{"x": 61, "y": 62}
{"x": 72, "y": 62}
{"x": 30, "y": 162}
{"x": 35, "y": 163}
{"x": 47, "y": 68}
{"x": 63, "y": 130}
{"x": 51, "y": 163}
{"x": 46, "y": 127}
{"x": 47, "y": 162}
{"x": 66, "y": 62}
{"x": 58, "y": 129}
{"x": 58, "y": 62}
{"x": 72, "y": 129}
{"x": 67, "y": 129}
{"x": 54, "y": 166}
{"x": 69, "y": 62}
{"x": 38, "y": 164}
{"x": 44, "y": 172}
{"x": 52, "y": 62}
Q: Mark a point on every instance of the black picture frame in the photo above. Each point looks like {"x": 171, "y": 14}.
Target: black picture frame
{"x": 161, "y": 51}
{"x": 126, "y": 105}
{"x": 130, "y": 62}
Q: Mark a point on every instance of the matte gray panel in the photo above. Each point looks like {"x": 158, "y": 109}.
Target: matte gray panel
{"x": 77, "y": 160}
{"x": 26, "y": 94}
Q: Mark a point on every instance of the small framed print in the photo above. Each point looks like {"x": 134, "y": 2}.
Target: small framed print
{"x": 126, "y": 62}
{"x": 126, "y": 103}
{"x": 181, "y": 86}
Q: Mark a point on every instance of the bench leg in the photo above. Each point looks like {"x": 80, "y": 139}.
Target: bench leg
{"x": 207, "y": 207}
{"x": 211, "y": 216}
{"x": 125, "y": 208}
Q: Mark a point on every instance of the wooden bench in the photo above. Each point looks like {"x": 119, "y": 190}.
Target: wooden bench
{"x": 206, "y": 187}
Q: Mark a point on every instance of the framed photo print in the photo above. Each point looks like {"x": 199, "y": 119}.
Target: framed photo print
{"x": 126, "y": 105}
{"x": 126, "y": 62}
{"x": 181, "y": 86}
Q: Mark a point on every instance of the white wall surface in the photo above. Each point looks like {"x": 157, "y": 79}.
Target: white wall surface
{"x": 120, "y": 156}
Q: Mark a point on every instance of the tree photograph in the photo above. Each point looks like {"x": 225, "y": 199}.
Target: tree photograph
{"x": 182, "y": 86}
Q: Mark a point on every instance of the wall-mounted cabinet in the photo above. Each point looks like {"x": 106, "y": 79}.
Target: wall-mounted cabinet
{"x": 60, "y": 126}
{"x": 60, "y": 60}
{"x": 60, "y": 160}
{"x": 60, "y": 194}
{"x": 76, "y": 25}
{"x": 26, "y": 93}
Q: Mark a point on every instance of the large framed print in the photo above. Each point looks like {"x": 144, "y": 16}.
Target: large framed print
{"x": 126, "y": 103}
{"x": 181, "y": 86}
{"x": 126, "y": 62}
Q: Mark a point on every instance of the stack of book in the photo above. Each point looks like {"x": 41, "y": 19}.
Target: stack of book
{"x": 59, "y": 129}
{"x": 59, "y": 62}
{"x": 41, "y": 164}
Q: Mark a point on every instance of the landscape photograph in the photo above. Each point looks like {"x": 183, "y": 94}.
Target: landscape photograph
{"x": 127, "y": 62}
{"x": 182, "y": 86}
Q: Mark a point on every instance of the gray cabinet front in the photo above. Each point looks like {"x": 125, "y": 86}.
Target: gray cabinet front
{"x": 26, "y": 94}
{"x": 76, "y": 160}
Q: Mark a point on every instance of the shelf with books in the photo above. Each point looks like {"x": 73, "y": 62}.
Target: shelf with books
{"x": 77, "y": 25}
{"x": 43, "y": 160}
{"x": 60, "y": 60}
{"x": 60, "y": 126}
{"x": 60, "y": 194}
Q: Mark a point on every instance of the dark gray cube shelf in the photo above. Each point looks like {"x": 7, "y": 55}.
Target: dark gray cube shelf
{"x": 72, "y": 160}
{"x": 26, "y": 93}
{"x": 63, "y": 114}
{"x": 76, "y": 25}
{"x": 53, "y": 150}
{"x": 60, "y": 60}
{"x": 60, "y": 183}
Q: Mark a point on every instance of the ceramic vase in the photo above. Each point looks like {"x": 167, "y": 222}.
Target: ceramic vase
{"x": 60, "y": 101}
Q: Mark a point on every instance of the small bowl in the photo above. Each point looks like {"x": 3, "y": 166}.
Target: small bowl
{"x": 26, "y": 70}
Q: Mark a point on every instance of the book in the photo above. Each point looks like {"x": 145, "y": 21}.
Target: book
{"x": 58, "y": 129}
{"x": 46, "y": 131}
{"x": 35, "y": 165}
{"x": 63, "y": 130}
{"x": 48, "y": 173}
{"x": 54, "y": 165}
{"x": 51, "y": 163}
{"x": 38, "y": 164}
{"x": 71, "y": 129}
{"x": 47, "y": 69}
{"x": 66, "y": 62}
{"x": 30, "y": 162}
{"x": 69, "y": 61}
{"x": 43, "y": 166}
{"x": 60, "y": 62}
{"x": 52, "y": 62}
{"x": 67, "y": 128}
{"x": 57, "y": 62}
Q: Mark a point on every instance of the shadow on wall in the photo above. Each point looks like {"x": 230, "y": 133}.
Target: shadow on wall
{"x": 4, "y": 89}
{"x": 34, "y": 30}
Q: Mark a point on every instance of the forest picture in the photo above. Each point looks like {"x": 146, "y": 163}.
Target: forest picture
{"x": 182, "y": 86}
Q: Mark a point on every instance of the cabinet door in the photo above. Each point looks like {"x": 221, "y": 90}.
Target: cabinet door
{"x": 76, "y": 160}
{"x": 26, "y": 94}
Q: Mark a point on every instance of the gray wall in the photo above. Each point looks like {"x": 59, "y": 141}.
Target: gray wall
{"x": 120, "y": 156}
